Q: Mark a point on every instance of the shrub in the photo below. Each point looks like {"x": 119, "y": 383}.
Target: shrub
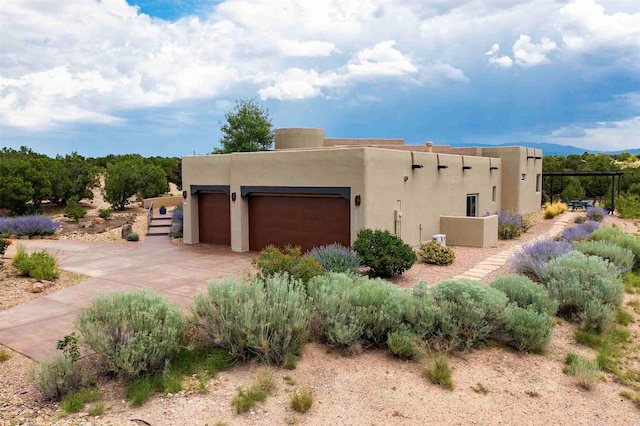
{"x": 528, "y": 329}
{"x": 401, "y": 345}
{"x": 468, "y": 313}
{"x": 75, "y": 402}
{"x": 579, "y": 232}
{"x": 273, "y": 261}
{"x": 596, "y": 316}
{"x": 28, "y": 225}
{"x": 525, "y": 293}
{"x": 553, "y": 210}
{"x": 177, "y": 218}
{"x": 302, "y": 400}
{"x": 105, "y": 213}
{"x": 133, "y": 236}
{"x": 434, "y": 253}
{"x": 620, "y": 238}
{"x": 437, "y": 371}
{"x": 534, "y": 256}
{"x": 39, "y": 265}
{"x": 336, "y": 258}
{"x": 585, "y": 370}
{"x": 383, "y": 252}
{"x": 133, "y": 333}
{"x": 5, "y": 355}
{"x": 74, "y": 210}
{"x": 356, "y": 311}
{"x": 628, "y": 206}
{"x": 254, "y": 319}
{"x": 575, "y": 280}
{"x": 580, "y": 219}
{"x": 57, "y": 378}
{"x": 245, "y": 400}
{"x": 595, "y": 213}
{"x": 511, "y": 225}
{"x": 619, "y": 256}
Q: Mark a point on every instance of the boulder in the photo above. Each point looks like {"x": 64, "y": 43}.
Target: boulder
{"x": 37, "y": 288}
{"x": 126, "y": 230}
{"x": 98, "y": 220}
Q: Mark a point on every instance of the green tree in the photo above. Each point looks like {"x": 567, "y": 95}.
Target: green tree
{"x": 72, "y": 176}
{"x": 25, "y": 180}
{"x": 130, "y": 176}
{"x": 247, "y": 128}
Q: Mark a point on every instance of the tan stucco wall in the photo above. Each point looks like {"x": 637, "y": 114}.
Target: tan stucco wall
{"x": 299, "y": 138}
{"x": 161, "y": 201}
{"x": 519, "y": 195}
{"x": 470, "y": 231}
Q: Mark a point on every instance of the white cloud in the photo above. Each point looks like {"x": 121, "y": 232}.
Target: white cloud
{"x": 604, "y": 136}
{"x": 381, "y": 60}
{"x": 528, "y": 54}
{"x": 495, "y": 59}
{"x": 296, "y": 84}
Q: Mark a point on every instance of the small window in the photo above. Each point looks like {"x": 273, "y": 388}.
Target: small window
{"x": 472, "y": 205}
{"x": 538, "y": 182}
{"x": 523, "y": 177}
{"x": 494, "y": 192}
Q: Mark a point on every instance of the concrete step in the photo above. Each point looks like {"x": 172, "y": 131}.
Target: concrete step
{"x": 156, "y": 223}
{"x": 161, "y": 216}
{"x": 159, "y": 230}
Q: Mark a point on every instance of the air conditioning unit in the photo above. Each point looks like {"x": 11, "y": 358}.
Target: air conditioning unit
{"x": 440, "y": 238}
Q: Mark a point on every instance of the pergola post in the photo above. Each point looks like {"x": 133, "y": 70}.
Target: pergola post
{"x": 613, "y": 193}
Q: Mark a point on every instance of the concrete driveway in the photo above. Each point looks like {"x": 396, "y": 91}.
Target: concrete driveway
{"x": 178, "y": 271}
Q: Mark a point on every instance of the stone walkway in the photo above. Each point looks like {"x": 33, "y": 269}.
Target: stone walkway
{"x": 178, "y": 271}
{"x": 498, "y": 260}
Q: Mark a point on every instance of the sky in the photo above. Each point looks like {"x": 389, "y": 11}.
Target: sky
{"x": 156, "y": 77}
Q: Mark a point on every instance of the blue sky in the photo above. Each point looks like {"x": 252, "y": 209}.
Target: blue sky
{"x": 156, "y": 77}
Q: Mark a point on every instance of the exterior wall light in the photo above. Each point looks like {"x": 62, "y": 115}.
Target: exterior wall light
{"x": 233, "y": 196}
{"x": 358, "y": 200}
{"x": 184, "y": 194}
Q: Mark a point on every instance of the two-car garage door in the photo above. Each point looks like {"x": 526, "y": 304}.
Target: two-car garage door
{"x": 303, "y": 220}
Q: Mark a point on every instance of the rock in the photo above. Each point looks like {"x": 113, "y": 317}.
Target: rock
{"x": 126, "y": 230}
{"x": 98, "y": 220}
{"x": 24, "y": 237}
{"x": 13, "y": 237}
{"x": 37, "y": 288}
{"x": 46, "y": 283}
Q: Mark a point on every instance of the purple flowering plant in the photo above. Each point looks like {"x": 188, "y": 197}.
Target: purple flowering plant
{"x": 532, "y": 258}
{"x": 581, "y": 231}
{"x": 28, "y": 225}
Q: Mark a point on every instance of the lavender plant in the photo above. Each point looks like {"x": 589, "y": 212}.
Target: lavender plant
{"x": 177, "y": 218}
{"x": 581, "y": 231}
{"x": 336, "y": 258}
{"x": 28, "y": 225}
{"x": 511, "y": 225}
{"x": 534, "y": 256}
{"x": 595, "y": 213}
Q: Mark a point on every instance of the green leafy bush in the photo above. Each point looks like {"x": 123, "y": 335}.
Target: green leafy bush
{"x": 620, "y": 238}
{"x": 39, "y": 265}
{"x": 525, "y": 293}
{"x": 619, "y": 256}
{"x": 575, "y": 280}
{"x": 74, "y": 210}
{"x": 527, "y": 329}
{"x": 273, "y": 261}
{"x": 266, "y": 320}
{"x": 628, "y": 206}
{"x": 133, "y": 333}
{"x": 468, "y": 312}
{"x": 105, "y": 213}
{"x": 57, "y": 378}
{"x": 434, "y": 253}
{"x": 383, "y": 252}
{"x": 133, "y": 236}
{"x": 353, "y": 311}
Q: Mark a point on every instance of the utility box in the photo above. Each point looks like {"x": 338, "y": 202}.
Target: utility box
{"x": 440, "y": 238}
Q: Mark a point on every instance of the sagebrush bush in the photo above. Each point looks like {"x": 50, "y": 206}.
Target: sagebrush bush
{"x": 401, "y": 344}
{"x": 336, "y": 258}
{"x": 57, "y": 378}
{"x": 620, "y": 238}
{"x": 289, "y": 260}
{"x": 468, "y": 312}
{"x": 39, "y": 265}
{"x": 353, "y": 311}
{"x": 579, "y": 232}
{"x": 28, "y": 225}
{"x": 553, "y": 210}
{"x": 383, "y": 252}
{"x": 533, "y": 256}
{"x": 596, "y": 316}
{"x": 255, "y": 319}
{"x": 133, "y": 333}
{"x": 525, "y": 293}
{"x": 619, "y": 256}
{"x": 434, "y": 253}
{"x": 575, "y": 280}
{"x": 595, "y": 213}
{"x": 527, "y": 329}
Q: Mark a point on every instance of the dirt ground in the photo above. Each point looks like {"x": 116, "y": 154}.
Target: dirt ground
{"x": 372, "y": 388}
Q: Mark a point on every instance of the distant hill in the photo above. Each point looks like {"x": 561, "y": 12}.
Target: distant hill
{"x": 555, "y": 149}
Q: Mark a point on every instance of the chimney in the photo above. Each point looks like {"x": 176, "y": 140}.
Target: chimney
{"x": 429, "y": 146}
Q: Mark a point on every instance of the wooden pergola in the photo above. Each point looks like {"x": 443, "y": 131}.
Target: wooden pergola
{"x": 612, "y": 173}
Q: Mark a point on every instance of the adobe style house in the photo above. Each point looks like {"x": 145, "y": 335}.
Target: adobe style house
{"x": 312, "y": 190}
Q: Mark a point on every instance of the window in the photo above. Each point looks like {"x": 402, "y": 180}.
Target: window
{"x": 523, "y": 177}
{"x": 538, "y": 182}
{"x": 494, "y": 192}
{"x": 472, "y": 205}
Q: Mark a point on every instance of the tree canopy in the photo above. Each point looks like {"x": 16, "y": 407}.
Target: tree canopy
{"x": 247, "y": 128}
{"x": 130, "y": 176}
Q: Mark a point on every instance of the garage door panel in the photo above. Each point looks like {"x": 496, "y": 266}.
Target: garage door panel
{"x": 298, "y": 220}
{"x": 214, "y": 218}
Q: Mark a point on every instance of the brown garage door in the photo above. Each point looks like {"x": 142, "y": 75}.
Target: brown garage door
{"x": 305, "y": 221}
{"x": 214, "y": 218}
